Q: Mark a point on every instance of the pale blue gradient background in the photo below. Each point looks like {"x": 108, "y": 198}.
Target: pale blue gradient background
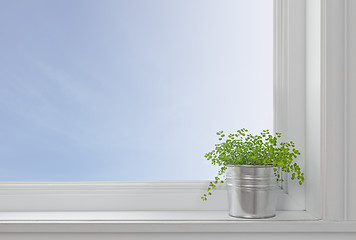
{"x": 129, "y": 89}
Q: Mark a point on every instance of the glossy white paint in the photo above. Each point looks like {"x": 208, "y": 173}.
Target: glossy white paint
{"x": 333, "y": 111}
{"x": 290, "y": 85}
{"x": 312, "y": 107}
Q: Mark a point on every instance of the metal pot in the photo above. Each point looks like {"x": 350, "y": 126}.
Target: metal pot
{"x": 251, "y": 191}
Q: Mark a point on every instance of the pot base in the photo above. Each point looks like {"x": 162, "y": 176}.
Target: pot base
{"x": 252, "y": 217}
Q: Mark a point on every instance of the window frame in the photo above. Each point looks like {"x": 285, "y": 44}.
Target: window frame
{"x": 292, "y": 66}
{"x": 184, "y": 195}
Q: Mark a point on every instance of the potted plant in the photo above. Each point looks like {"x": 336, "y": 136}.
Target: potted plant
{"x": 251, "y": 166}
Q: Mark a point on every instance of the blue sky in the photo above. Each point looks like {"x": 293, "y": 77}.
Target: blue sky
{"x": 129, "y": 90}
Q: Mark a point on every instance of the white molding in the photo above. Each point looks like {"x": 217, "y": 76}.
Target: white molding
{"x": 144, "y": 216}
{"x": 177, "y": 227}
{"x": 280, "y": 70}
{"x": 117, "y": 196}
{"x": 289, "y": 84}
{"x": 336, "y": 115}
{"x": 109, "y": 196}
{"x": 101, "y": 186}
{"x": 346, "y": 85}
{"x": 333, "y": 110}
{"x": 313, "y": 105}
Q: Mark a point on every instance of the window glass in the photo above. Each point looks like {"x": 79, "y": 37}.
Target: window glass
{"x": 129, "y": 90}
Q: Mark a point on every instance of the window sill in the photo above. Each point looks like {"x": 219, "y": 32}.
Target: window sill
{"x": 151, "y": 216}
{"x": 164, "y": 221}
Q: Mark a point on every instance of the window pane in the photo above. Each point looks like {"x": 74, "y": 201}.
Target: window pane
{"x": 128, "y": 90}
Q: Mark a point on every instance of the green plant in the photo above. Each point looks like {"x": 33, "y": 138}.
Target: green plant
{"x": 241, "y": 148}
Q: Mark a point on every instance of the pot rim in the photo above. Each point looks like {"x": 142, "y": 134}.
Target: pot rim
{"x": 252, "y": 166}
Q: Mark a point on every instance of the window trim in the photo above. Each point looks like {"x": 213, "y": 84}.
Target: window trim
{"x": 289, "y": 87}
{"x": 116, "y": 196}
{"x": 327, "y": 205}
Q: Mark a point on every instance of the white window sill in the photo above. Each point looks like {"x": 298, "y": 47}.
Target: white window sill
{"x": 164, "y": 221}
{"x": 145, "y": 216}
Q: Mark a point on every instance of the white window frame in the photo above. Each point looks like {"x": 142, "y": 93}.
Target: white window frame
{"x": 186, "y": 195}
{"x": 306, "y": 81}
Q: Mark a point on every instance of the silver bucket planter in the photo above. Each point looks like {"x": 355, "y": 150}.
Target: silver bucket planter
{"x": 251, "y": 191}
